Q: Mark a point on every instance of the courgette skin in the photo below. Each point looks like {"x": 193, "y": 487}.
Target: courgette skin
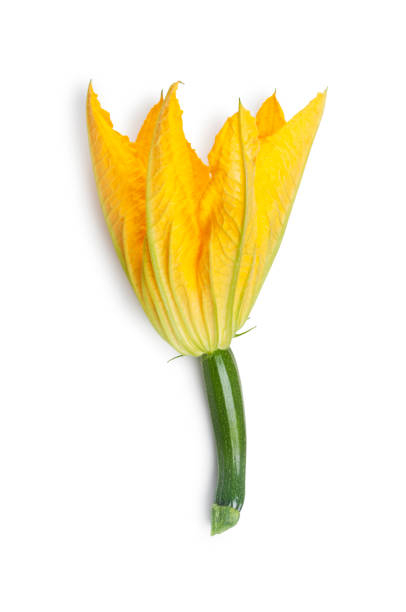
{"x": 225, "y": 399}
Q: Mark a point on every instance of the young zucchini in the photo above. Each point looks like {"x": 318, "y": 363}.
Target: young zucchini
{"x": 223, "y": 388}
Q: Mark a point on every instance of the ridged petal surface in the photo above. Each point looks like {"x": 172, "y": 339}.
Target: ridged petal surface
{"x": 197, "y": 241}
{"x": 120, "y": 169}
{"x": 279, "y": 169}
{"x": 176, "y": 179}
{"x": 229, "y": 210}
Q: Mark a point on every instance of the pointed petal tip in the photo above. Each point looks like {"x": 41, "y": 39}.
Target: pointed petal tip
{"x": 92, "y": 97}
{"x": 241, "y": 106}
{"x": 318, "y": 102}
{"x": 171, "y": 93}
{"x": 174, "y": 87}
{"x": 90, "y": 89}
{"x": 321, "y": 96}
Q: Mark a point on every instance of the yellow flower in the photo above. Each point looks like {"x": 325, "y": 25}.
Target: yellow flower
{"x": 197, "y": 240}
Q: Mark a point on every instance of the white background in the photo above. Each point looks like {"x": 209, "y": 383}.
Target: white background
{"x": 107, "y": 465}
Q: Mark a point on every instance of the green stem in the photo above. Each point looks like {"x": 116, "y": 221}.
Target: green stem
{"x": 227, "y": 413}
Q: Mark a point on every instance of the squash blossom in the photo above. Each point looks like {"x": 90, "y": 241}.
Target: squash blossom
{"x": 197, "y": 240}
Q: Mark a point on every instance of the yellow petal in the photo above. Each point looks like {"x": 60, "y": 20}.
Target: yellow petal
{"x": 134, "y": 215}
{"x": 228, "y": 208}
{"x": 279, "y": 168}
{"x": 112, "y": 157}
{"x": 154, "y": 305}
{"x": 175, "y": 182}
{"x": 120, "y": 167}
{"x": 270, "y": 117}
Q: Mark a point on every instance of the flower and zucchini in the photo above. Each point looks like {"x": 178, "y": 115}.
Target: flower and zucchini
{"x": 197, "y": 240}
